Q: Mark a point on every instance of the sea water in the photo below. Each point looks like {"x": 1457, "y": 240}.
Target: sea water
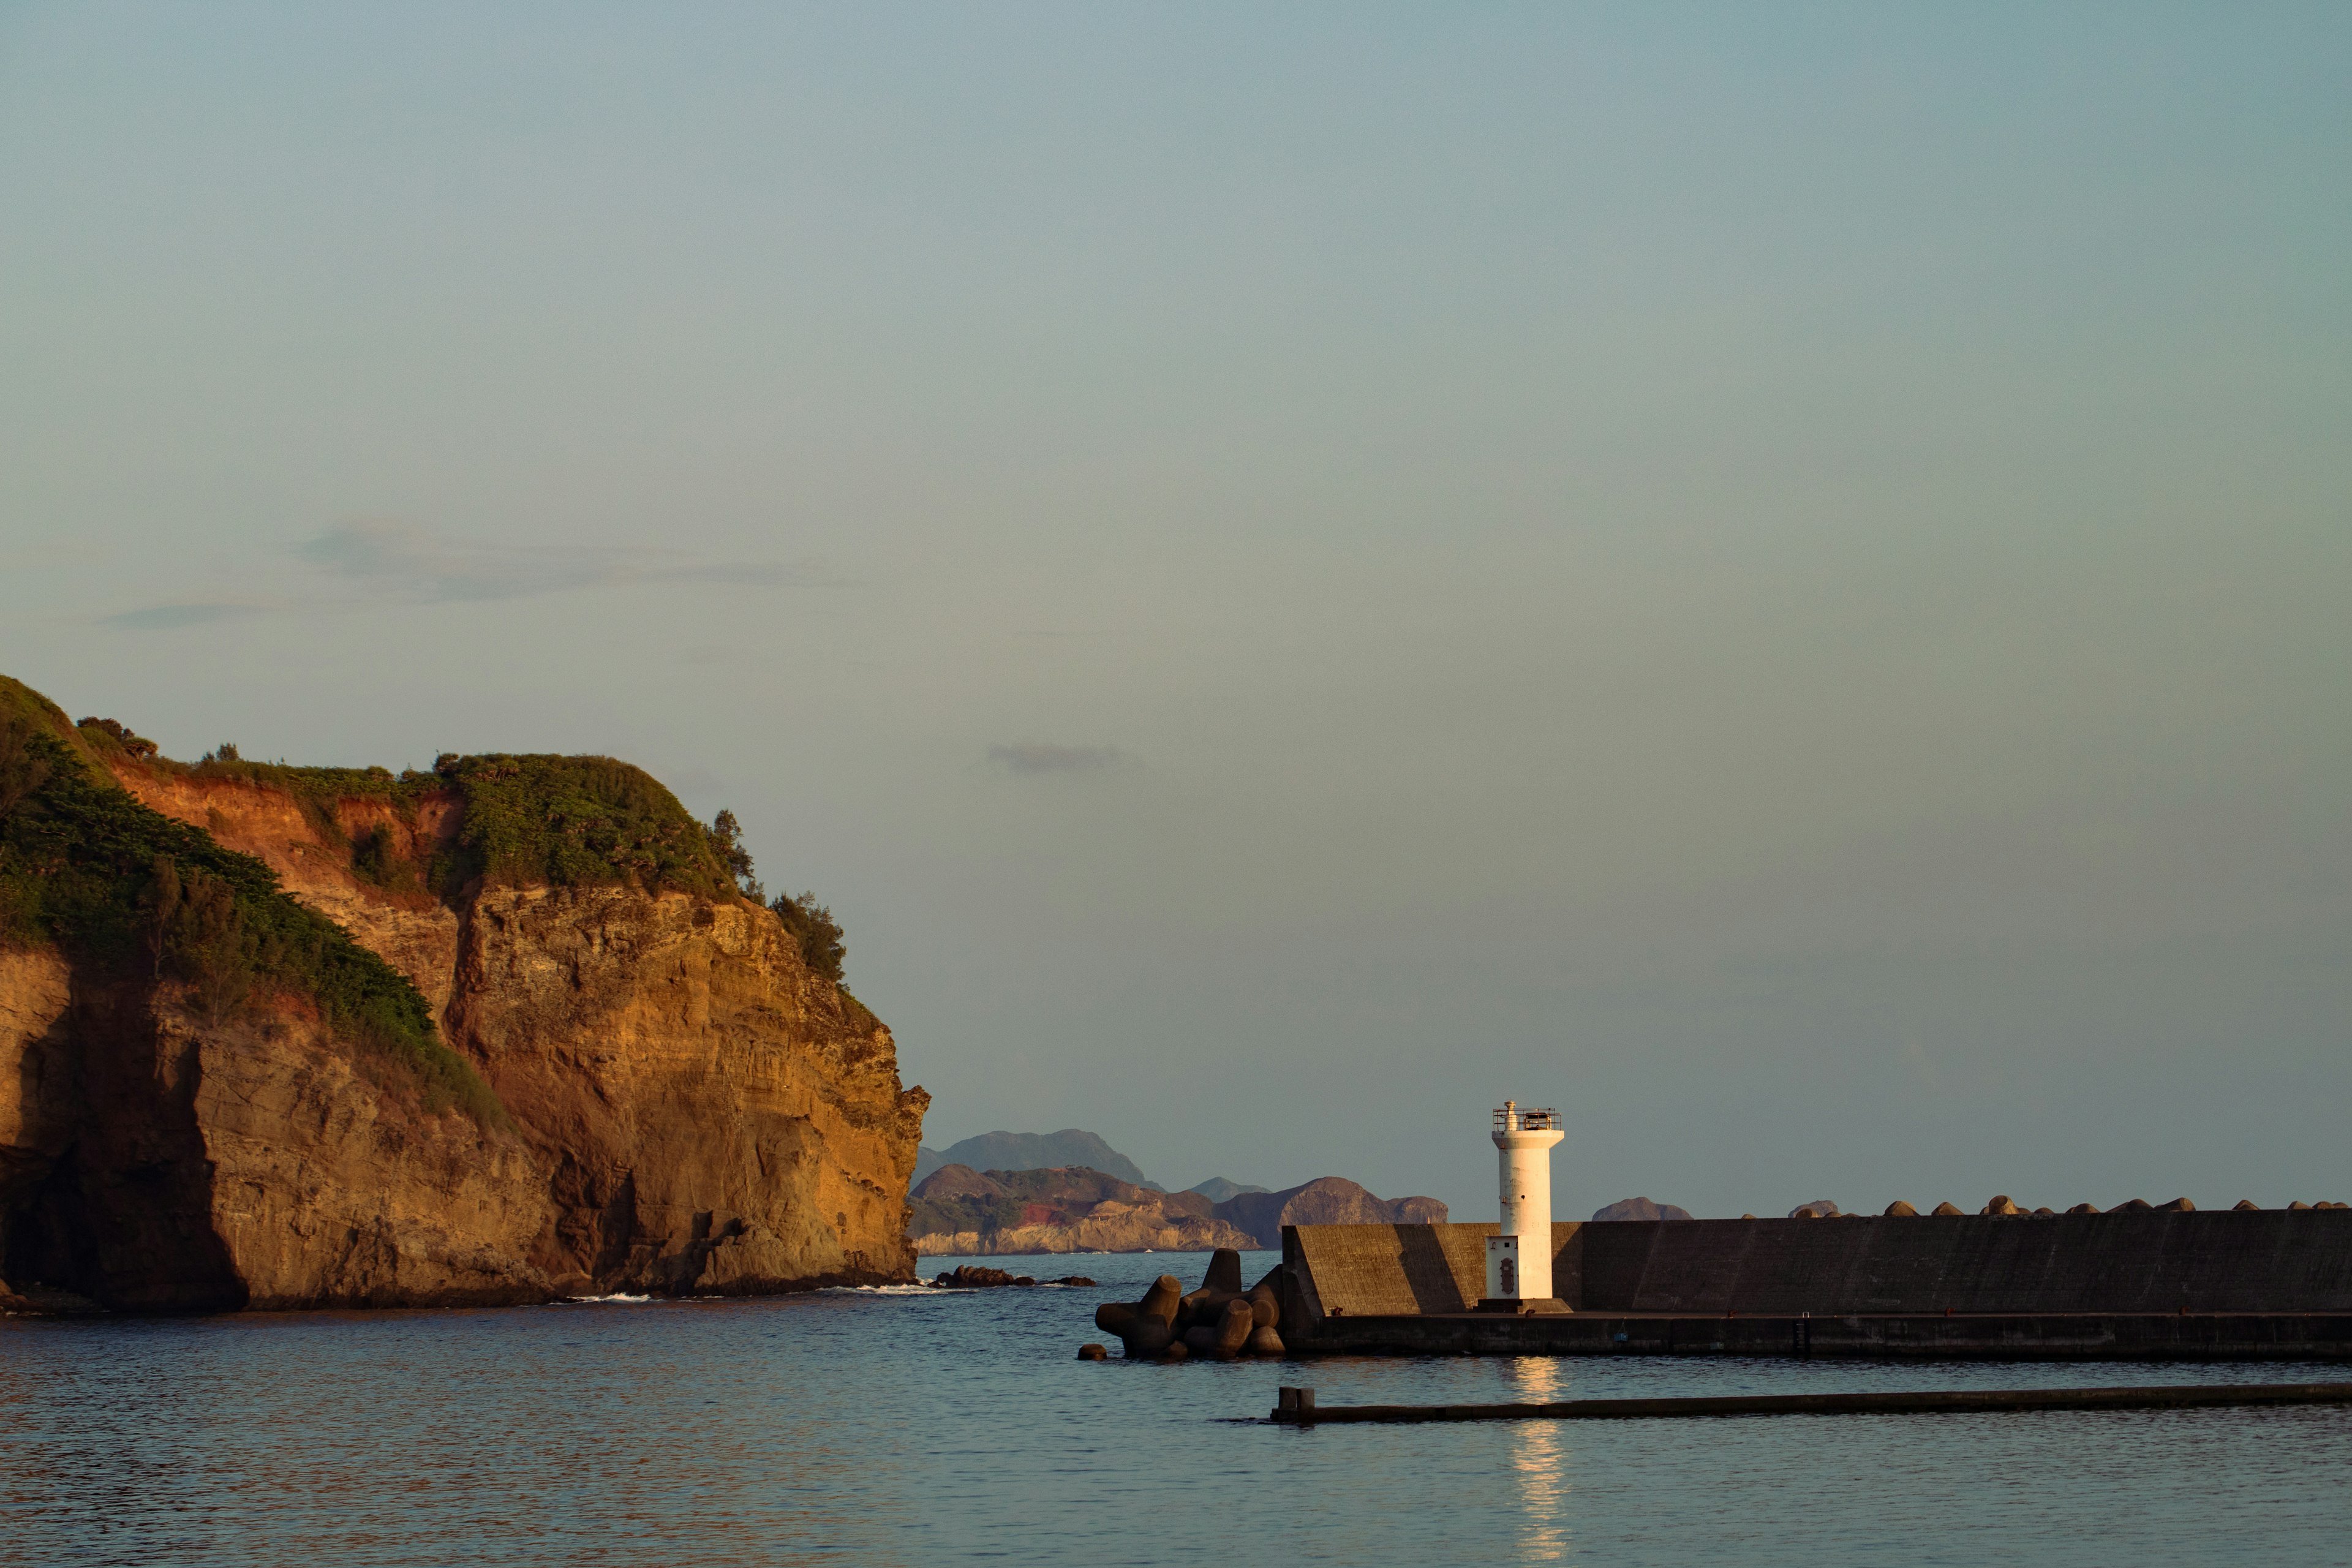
{"x": 911, "y": 1425}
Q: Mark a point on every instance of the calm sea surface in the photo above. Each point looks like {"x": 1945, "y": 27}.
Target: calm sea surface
{"x": 889, "y": 1427}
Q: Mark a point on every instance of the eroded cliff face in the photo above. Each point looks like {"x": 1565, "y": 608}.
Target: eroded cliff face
{"x": 692, "y": 1109}
{"x": 711, "y": 1115}
{"x": 415, "y": 933}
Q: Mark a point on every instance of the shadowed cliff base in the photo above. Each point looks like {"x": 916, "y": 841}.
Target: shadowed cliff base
{"x": 504, "y": 1031}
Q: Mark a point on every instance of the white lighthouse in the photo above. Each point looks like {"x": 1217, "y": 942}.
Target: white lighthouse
{"x": 1518, "y": 1257}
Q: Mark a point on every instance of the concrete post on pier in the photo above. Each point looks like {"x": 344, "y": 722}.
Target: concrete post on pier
{"x": 1519, "y": 1258}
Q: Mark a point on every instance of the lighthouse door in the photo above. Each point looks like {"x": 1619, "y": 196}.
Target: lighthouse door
{"x": 1510, "y": 1281}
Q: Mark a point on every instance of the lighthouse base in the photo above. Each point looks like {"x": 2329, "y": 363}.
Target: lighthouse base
{"x": 1518, "y": 1308}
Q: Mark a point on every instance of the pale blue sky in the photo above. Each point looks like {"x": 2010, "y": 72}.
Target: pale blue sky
{"x": 1779, "y": 577}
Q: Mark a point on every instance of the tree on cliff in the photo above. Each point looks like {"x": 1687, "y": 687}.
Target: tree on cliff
{"x": 819, "y": 934}
{"x": 811, "y": 923}
{"x": 727, "y": 843}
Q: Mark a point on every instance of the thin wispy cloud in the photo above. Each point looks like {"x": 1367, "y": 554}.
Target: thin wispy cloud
{"x": 378, "y": 560}
{"x": 189, "y": 613}
{"x": 401, "y": 560}
{"x": 1038, "y": 757}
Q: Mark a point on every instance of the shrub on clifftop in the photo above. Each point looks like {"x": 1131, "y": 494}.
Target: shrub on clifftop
{"x": 571, "y": 820}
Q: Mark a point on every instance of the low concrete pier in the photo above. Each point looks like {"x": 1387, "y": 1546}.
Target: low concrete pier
{"x": 1296, "y": 1406}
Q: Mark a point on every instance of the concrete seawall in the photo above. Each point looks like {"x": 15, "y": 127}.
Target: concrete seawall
{"x": 2274, "y": 1281}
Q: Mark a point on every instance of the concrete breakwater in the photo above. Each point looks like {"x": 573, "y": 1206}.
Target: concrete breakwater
{"x": 2159, "y": 1284}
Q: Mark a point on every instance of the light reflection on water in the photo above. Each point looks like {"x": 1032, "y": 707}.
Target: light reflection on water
{"x": 918, "y": 1427}
{"x": 1540, "y": 1463}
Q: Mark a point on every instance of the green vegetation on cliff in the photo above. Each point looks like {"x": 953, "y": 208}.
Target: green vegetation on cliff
{"x": 560, "y": 821}
{"x": 84, "y": 865}
{"x": 119, "y": 887}
{"x": 567, "y": 821}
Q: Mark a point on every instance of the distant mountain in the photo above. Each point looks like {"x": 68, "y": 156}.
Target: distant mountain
{"x": 959, "y": 1212}
{"x": 1641, "y": 1208}
{"x": 1217, "y": 1189}
{"x": 1034, "y": 1152}
{"x": 1328, "y": 1200}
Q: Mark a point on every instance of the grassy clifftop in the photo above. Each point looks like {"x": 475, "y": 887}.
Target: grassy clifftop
{"x": 561, "y": 821}
{"x": 87, "y": 867}
{"x": 123, "y": 889}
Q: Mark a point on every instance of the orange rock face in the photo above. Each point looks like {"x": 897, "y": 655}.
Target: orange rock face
{"x": 711, "y": 1116}
{"x": 693, "y": 1109}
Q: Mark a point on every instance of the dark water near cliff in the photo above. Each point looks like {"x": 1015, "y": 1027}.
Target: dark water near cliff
{"x": 870, "y": 1428}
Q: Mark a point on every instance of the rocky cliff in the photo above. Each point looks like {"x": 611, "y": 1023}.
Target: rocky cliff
{"x": 1327, "y": 1200}
{"x": 501, "y": 1032}
{"x": 959, "y": 1212}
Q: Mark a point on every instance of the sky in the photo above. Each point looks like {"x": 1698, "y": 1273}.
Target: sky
{"x": 1776, "y": 578}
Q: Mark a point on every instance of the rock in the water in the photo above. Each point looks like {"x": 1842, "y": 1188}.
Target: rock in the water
{"x": 1898, "y": 1209}
{"x": 1263, "y": 1341}
{"x": 976, "y": 1277}
{"x": 1640, "y": 1208}
{"x": 1074, "y": 1279}
{"x": 1093, "y": 1352}
{"x": 1946, "y": 1208}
